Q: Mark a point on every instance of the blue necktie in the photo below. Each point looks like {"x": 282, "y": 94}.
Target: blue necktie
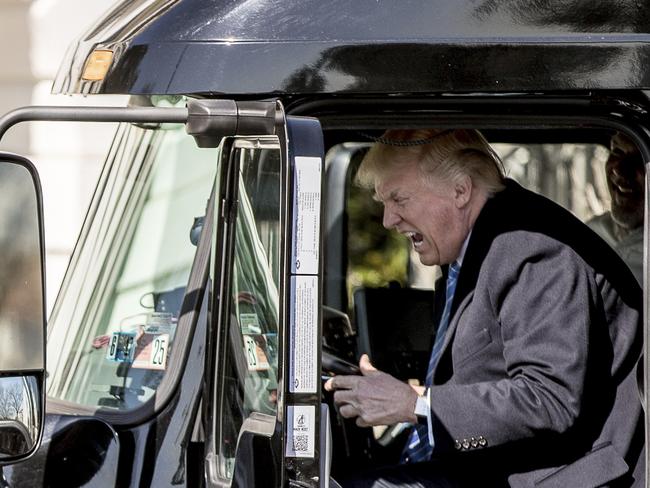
{"x": 418, "y": 448}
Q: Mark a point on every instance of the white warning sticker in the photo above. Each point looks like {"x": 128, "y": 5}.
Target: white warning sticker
{"x": 301, "y": 422}
{"x": 255, "y": 352}
{"x": 306, "y": 211}
{"x": 303, "y": 368}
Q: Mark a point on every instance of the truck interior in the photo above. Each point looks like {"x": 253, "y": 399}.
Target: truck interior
{"x": 376, "y": 280}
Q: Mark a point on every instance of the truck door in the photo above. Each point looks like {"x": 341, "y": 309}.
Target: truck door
{"x": 264, "y": 407}
{"x": 262, "y": 395}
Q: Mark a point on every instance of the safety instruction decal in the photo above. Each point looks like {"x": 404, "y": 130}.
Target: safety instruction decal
{"x": 301, "y": 425}
{"x": 306, "y": 211}
{"x": 303, "y": 369}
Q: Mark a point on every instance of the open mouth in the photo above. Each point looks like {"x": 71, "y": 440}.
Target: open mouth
{"x": 416, "y": 238}
{"x": 622, "y": 192}
{"x": 625, "y": 190}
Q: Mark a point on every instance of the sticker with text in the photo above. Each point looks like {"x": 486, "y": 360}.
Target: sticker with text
{"x": 303, "y": 341}
{"x": 151, "y": 351}
{"x": 306, "y": 211}
{"x": 250, "y": 323}
{"x": 255, "y": 347}
{"x": 153, "y": 341}
{"x": 301, "y": 436}
{"x": 121, "y": 347}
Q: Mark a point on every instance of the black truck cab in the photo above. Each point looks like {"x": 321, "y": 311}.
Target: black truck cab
{"x": 228, "y": 263}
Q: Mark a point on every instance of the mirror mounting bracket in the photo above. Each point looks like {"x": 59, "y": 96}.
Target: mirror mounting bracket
{"x": 208, "y": 121}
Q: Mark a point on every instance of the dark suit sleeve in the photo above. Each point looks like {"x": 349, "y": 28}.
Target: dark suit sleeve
{"x": 540, "y": 304}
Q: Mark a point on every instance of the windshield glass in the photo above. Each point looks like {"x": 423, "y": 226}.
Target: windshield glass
{"x": 114, "y": 323}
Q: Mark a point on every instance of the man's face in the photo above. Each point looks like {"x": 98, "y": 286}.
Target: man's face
{"x": 626, "y": 182}
{"x": 425, "y": 211}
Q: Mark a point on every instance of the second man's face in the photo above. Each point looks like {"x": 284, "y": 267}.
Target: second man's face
{"x": 425, "y": 211}
{"x": 626, "y": 182}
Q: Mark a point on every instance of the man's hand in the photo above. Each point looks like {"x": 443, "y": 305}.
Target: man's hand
{"x": 375, "y": 398}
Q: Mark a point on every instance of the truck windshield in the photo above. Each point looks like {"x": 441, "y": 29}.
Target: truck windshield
{"x": 114, "y": 322}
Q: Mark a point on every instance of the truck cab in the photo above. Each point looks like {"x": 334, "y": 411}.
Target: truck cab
{"x": 228, "y": 262}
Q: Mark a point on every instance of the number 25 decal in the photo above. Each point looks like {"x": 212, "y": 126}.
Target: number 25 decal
{"x": 159, "y": 351}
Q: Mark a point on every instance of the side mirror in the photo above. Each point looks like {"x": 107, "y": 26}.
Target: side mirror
{"x": 22, "y": 310}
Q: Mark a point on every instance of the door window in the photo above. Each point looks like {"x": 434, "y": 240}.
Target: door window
{"x": 249, "y": 369}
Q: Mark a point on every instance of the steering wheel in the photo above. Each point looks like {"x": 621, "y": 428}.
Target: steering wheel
{"x": 338, "y": 366}
{"x": 333, "y": 364}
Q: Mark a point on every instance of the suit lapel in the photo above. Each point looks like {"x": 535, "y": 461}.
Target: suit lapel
{"x": 444, "y": 364}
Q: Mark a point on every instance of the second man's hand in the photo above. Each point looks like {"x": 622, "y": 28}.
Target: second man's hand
{"x": 374, "y": 397}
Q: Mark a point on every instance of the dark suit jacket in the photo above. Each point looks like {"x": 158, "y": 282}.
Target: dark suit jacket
{"x": 536, "y": 385}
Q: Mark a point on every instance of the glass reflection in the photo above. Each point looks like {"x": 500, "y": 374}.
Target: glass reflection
{"x": 21, "y": 288}
{"x": 19, "y": 415}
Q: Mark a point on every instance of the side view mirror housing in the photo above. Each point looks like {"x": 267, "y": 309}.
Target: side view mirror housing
{"x": 22, "y": 309}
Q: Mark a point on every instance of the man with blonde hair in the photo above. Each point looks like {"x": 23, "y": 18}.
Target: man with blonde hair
{"x": 531, "y": 380}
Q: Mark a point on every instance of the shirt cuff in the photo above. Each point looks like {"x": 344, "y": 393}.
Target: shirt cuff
{"x": 423, "y": 409}
{"x": 422, "y": 405}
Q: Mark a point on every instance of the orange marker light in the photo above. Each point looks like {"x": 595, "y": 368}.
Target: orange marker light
{"x": 97, "y": 65}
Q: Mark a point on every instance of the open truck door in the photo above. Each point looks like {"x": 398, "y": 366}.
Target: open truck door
{"x": 265, "y": 405}
{"x": 262, "y": 383}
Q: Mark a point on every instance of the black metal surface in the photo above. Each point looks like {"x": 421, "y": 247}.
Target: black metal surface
{"x": 367, "y": 46}
{"x": 76, "y": 451}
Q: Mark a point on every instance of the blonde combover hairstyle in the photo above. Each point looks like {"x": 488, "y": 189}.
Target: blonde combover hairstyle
{"x": 448, "y": 155}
